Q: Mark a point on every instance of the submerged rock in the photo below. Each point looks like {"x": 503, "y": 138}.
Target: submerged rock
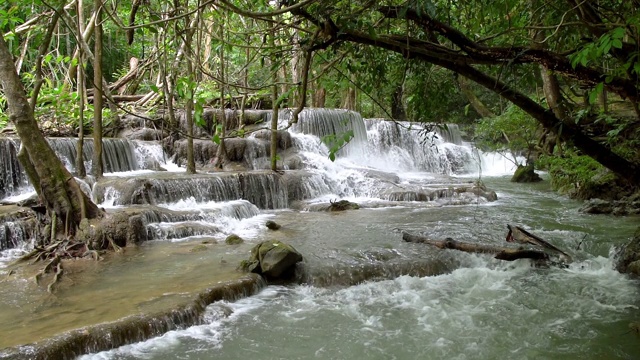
{"x": 273, "y": 259}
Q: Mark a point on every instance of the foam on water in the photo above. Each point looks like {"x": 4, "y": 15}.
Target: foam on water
{"x": 238, "y": 217}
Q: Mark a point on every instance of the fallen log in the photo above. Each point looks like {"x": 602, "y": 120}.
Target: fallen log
{"x": 520, "y": 235}
{"x": 501, "y": 253}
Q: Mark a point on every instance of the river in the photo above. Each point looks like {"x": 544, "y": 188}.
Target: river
{"x": 472, "y": 307}
{"x": 364, "y": 292}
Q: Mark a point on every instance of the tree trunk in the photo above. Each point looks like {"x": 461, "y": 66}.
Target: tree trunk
{"x": 276, "y": 106}
{"x": 350, "y": 99}
{"x": 42, "y": 51}
{"x": 397, "y": 105}
{"x": 221, "y": 154}
{"x": 90, "y": 56}
{"x": 97, "y": 167}
{"x": 80, "y": 169}
{"x": 319, "y": 96}
{"x": 55, "y": 186}
{"x": 191, "y": 163}
{"x": 474, "y": 101}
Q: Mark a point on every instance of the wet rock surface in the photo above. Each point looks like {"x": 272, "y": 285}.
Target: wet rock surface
{"x": 273, "y": 259}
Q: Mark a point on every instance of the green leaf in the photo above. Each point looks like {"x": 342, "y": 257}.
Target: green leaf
{"x": 618, "y": 33}
{"x": 593, "y": 96}
{"x": 199, "y": 110}
{"x": 216, "y": 139}
{"x": 617, "y": 43}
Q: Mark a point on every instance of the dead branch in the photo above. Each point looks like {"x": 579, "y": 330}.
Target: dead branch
{"x": 520, "y": 235}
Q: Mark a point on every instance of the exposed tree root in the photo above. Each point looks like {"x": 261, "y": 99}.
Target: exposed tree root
{"x": 62, "y": 249}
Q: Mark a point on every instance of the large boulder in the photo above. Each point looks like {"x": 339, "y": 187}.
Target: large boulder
{"x": 273, "y": 259}
{"x": 525, "y": 174}
{"x": 342, "y": 205}
{"x": 628, "y": 258}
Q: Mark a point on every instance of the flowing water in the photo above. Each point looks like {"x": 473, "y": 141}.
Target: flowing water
{"x": 364, "y": 293}
{"x": 467, "y": 307}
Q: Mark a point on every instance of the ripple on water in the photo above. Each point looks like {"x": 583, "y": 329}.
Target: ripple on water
{"x": 483, "y": 312}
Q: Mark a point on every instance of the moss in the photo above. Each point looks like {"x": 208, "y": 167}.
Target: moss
{"x": 525, "y": 174}
{"x": 343, "y": 205}
{"x": 233, "y": 239}
{"x": 581, "y": 177}
{"x": 199, "y": 248}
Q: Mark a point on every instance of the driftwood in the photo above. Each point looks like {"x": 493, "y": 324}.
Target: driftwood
{"x": 520, "y": 235}
{"x": 501, "y": 253}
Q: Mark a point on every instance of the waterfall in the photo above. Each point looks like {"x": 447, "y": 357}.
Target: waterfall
{"x": 17, "y": 229}
{"x": 324, "y": 122}
{"x": 263, "y": 189}
{"x": 13, "y": 234}
{"x": 408, "y": 146}
{"x": 449, "y": 133}
{"x": 12, "y": 176}
{"x": 118, "y": 155}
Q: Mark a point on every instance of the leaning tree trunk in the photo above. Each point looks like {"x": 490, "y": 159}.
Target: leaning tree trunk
{"x": 473, "y": 99}
{"x": 54, "y": 184}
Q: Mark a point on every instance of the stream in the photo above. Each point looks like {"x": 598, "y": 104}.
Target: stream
{"x": 363, "y": 291}
{"x": 472, "y": 307}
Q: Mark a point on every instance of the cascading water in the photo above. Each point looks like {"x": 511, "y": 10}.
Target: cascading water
{"x": 325, "y": 122}
{"x": 453, "y": 305}
{"x": 365, "y": 293}
{"x": 119, "y": 155}
{"x": 406, "y": 146}
{"x": 12, "y": 176}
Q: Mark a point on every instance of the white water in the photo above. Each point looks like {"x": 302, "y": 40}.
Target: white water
{"x": 479, "y": 312}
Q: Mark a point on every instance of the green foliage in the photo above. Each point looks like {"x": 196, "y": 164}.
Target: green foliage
{"x": 4, "y": 117}
{"x": 570, "y": 172}
{"x": 514, "y": 131}
{"x": 9, "y": 18}
{"x": 595, "y": 51}
{"x": 335, "y": 142}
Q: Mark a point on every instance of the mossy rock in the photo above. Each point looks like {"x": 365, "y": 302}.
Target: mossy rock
{"x": 272, "y": 259}
{"x": 343, "y": 205}
{"x": 525, "y": 174}
{"x": 233, "y": 239}
{"x": 272, "y": 225}
{"x": 198, "y": 248}
{"x": 628, "y": 258}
